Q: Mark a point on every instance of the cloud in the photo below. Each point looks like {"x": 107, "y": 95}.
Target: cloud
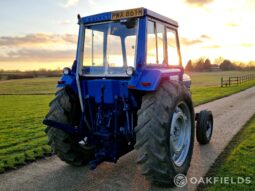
{"x": 204, "y": 36}
{"x": 71, "y": 3}
{"x": 199, "y": 2}
{"x": 247, "y": 45}
{"x": 189, "y": 42}
{"x": 37, "y": 39}
{"x": 232, "y": 25}
{"x": 65, "y": 22}
{"x": 92, "y": 2}
{"x": 38, "y": 55}
{"x": 215, "y": 46}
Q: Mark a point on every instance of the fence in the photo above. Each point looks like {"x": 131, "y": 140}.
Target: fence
{"x": 236, "y": 80}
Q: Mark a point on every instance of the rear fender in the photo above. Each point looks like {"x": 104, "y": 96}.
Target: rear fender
{"x": 150, "y": 78}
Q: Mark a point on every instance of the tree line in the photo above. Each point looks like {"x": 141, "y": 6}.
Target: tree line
{"x": 219, "y": 64}
{"x": 17, "y": 74}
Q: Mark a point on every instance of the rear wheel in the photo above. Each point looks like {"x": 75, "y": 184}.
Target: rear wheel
{"x": 65, "y": 109}
{"x": 165, "y": 133}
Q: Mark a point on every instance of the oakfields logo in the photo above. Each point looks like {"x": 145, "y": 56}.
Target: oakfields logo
{"x": 181, "y": 180}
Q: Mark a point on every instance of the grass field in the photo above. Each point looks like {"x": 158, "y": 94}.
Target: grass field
{"x": 209, "y": 93}
{"x": 22, "y": 137}
{"x": 236, "y": 161}
{"x": 205, "y": 79}
{"x": 29, "y": 86}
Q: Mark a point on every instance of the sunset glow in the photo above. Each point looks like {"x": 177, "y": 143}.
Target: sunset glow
{"x": 43, "y": 34}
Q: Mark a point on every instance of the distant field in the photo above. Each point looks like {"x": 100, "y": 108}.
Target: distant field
{"x": 205, "y": 86}
{"x": 202, "y": 79}
{"x": 205, "y": 94}
{"x": 29, "y": 86}
{"x": 22, "y": 137}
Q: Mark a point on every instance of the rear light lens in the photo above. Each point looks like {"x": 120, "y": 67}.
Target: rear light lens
{"x": 145, "y": 84}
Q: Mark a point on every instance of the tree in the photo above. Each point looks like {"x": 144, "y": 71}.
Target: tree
{"x": 207, "y": 65}
{"x": 227, "y": 65}
{"x": 218, "y": 60}
{"x": 199, "y": 65}
{"x": 189, "y": 66}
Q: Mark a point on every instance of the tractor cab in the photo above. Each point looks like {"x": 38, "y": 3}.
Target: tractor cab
{"x": 116, "y": 44}
{"x": 125, "y": 50}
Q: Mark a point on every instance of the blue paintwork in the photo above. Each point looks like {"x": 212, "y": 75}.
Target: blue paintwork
{"x": 152, "y": 76}
{"x": 68, "y": 80}
{"x": 113, "y": 88}
{"x": 97, "y": 18}
{"x": 141, "y": 45}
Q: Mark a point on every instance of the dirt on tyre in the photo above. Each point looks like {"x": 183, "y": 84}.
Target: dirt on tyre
{"x": 165, "y": 133}
{"x": 65, "y": 109}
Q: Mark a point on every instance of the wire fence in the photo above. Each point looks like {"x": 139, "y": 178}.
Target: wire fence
{"x": 236, "y": 80}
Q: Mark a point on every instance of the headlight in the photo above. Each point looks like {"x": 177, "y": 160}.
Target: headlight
{"x": 66, "y": 71}
{"x": 130, "y": 71}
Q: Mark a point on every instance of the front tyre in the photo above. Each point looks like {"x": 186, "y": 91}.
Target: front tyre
{"x": 65, "y": 109}
{"x": 165, "y": 133}
{"x": 204, "y": 128}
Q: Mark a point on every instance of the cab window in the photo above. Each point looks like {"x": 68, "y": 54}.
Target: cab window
{"x": 151, "y": 43}
{"x": 172, "y": 48}
{"x": 155, "y": 43}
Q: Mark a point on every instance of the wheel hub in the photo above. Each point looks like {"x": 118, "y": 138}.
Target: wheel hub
{"x": 180, "y": 133}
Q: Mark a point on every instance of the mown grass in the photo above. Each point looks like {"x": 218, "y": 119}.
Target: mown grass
{"x": 236, "y": 161}
{"x": 22, "y": 137}
{"x": 205, "y": 86}
{"x": 205, "y": 79}
{"x": 209, "y": 93}
{"x": 29, "y": 86}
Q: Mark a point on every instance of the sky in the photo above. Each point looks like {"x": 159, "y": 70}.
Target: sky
{"x": 43, "y": 33}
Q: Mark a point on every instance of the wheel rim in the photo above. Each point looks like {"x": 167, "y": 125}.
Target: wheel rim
{"x": 208, "y": 128}
{"x": 180, "y": 134}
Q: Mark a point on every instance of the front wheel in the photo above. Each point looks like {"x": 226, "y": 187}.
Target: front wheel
{"x": 165, "y": 133}
{"x": 204, "y": 128}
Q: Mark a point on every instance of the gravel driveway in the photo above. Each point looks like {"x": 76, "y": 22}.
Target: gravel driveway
{"x": 51, "y": 174}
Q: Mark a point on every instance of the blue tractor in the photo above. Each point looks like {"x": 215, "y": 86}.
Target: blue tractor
{"x": 127, "y": 89}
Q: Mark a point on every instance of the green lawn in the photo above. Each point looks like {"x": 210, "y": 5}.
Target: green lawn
{"x": 209, "y": 93}
{"x": 238, "y": 160}
{"x": 205, "y": 86}
{"x": 22, "y": 136}
{"x": 21, "y": 130}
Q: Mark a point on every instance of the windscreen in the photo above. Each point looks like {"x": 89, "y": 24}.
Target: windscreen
{"x": 110, "y": 48}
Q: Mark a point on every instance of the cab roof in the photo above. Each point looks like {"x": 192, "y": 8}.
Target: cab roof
{"x": 126, "y": 14}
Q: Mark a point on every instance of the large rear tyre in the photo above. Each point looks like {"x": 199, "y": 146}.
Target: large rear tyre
{"x": 65, "y": 109}
{"x": 165, "y": 133}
